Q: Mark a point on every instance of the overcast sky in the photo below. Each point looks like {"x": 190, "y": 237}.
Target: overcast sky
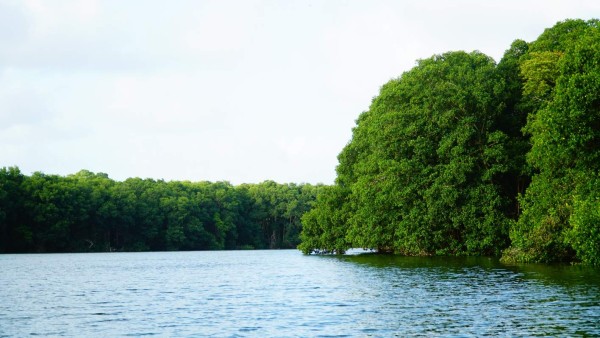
{"x": 241, "y": 91}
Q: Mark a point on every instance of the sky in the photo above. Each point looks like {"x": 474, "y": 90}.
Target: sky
{"x": 241, "y": 91}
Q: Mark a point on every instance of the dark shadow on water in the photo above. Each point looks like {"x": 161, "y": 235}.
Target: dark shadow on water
{"x": 567, "y": 275}
{"x": 561, "y": 274}
{"x": 391, "y": 260}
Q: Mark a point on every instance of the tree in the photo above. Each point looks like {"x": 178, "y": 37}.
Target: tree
{"x": 88, "y": 211}
{"x": 323, "y": 227}
{"x": 15, "y": 233}
{"x": 558, "y": 210}
{"x": 421, "y": 173}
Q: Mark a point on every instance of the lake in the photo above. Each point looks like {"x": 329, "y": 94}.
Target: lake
{"x": 284, "y": 293}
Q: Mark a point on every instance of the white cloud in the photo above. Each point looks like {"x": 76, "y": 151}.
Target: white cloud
{"x": 222, "y": 90}
{"x": 219, "y": 27}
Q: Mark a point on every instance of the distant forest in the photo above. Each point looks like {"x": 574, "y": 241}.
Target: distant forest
{"x": 89, "y": 212}
{"x": 463, "y": 156}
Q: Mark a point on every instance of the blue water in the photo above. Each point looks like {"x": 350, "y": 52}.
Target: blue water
{"x": 284, "y": 294}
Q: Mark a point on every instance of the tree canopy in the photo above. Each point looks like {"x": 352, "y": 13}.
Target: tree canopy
{"x": 560, "y": 208}
{"x": 442, "y": 161}
{"x": 424, "y": 170}
{"x": 458, "y": 156}
{"x": 90, "y": 212}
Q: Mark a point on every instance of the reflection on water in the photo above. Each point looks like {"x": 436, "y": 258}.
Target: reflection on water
{"x": 479, "y": 295}
{"x": 557, "y": 273}
{"x": 283, "y": 293}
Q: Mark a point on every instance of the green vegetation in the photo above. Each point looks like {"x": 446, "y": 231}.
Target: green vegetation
{"x": 463, "y": 156}
{"x": 560, "y": 209}
{"x": 89, "y": 212}
{"x": 458, "y": 156}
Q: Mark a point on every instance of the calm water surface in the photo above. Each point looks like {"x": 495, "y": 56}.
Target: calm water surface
{"x": 283, "y": 293}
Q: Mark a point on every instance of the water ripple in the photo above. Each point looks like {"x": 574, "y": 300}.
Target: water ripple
{"x": 286, "y": 294}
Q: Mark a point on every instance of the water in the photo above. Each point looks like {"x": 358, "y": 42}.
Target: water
{"x": 283, "y": 293}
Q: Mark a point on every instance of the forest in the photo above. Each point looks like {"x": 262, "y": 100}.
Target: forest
{"x": 89, "y": 212}
{"x": 465, "y": 156}
{"x": 458, "y": 156}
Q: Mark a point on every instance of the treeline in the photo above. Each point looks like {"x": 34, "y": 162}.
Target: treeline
{"x": 463, "y": 156}
{"x": 89, "y": 212}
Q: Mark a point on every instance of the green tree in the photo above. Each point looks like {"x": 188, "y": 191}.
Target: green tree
{"x": 565, "y": 137}
{"x": 15, "y": 233}
{"x": 584, "y": 236}
{"x": 324, "y": 227}
{"x": 248, "y": 228}
{"x": 422, "y": 173}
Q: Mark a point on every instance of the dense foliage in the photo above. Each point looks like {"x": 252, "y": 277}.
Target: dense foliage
{"x": 562, "y": 85}
{"x": 458, "y": 156}
{"x": 90, "y": 212}
{"x": 464, "y": 156}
